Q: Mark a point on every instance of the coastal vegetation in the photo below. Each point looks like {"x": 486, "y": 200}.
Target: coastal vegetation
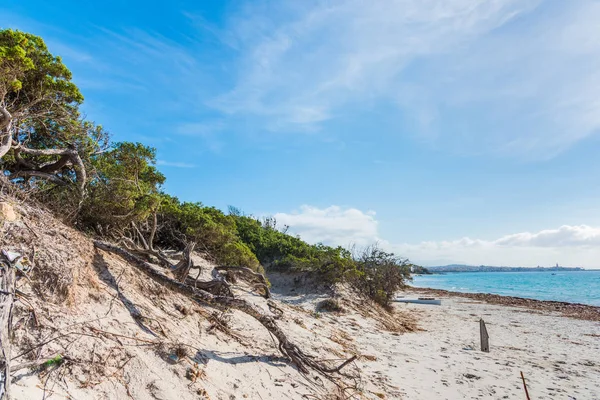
{"x": 115, "y": 191}
{"x": 52, "y": 156}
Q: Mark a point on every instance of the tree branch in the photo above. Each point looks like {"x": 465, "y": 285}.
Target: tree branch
{"x": 182, "y": 269}
{"x": 72, "y": 155}
{"x": 5, "y": 134}
{"x": 38, "y": 174}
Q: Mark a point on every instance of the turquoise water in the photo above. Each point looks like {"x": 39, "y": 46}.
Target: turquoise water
{"x": 574, "y": 287}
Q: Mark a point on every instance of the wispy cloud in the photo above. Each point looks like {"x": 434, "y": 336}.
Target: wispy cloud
{"x": 509, "y": 76}
{"x": 201, "y": 129}
{"x": 565, "y": 236}
{"x": 174, "y": 164}
{"x": 208, "y": 132}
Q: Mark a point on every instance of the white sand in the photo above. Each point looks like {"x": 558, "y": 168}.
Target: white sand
{"x": 559, "y": 356}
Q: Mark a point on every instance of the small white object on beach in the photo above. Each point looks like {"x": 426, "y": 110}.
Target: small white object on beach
{"x": 420, "y": 300}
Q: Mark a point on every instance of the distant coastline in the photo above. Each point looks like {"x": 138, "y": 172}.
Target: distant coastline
{"x": 488, "y": 268}
{"x": 587, "y": 312}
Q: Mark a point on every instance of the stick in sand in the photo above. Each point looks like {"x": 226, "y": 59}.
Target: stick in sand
{"x": 525, "y": 386}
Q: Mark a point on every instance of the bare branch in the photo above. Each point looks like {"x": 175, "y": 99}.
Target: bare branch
{"x": 38, "y": 174}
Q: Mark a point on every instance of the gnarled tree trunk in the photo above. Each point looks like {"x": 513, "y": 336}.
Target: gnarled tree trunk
{"x": 47, "y": 171}
{"x": 182, "y": 269}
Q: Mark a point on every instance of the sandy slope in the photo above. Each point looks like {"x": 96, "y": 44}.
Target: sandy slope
{"x": 118, "y": 330}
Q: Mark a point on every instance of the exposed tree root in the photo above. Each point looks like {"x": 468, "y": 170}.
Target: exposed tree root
{"x": 301, "y": 360}
{"x": 257, "y": 280}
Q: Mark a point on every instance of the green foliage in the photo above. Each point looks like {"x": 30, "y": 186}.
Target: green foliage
{"x": 381, "y": 274}
{"x": 210, "y": 228}
{"x": 278, "y": 250}
{"x": 54, "y": 361}
{"x": 374, "y": 272}
{"x": 124, "y": 188}
{"x": 417, "y": 269}
{"x": 37, "y": 90}
{"x": 25, "y": 61}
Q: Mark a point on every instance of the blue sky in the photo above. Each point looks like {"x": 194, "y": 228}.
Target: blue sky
{"x": 447, "y": 130}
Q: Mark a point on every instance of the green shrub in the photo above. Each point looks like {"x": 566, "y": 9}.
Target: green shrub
{"x": 374, "y": 272}
{"x": 381, "y": 275}
{"x": 329, "y": 305}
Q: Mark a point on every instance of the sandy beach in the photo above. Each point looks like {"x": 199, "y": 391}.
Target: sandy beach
{"x": 439, "y": 360}
{"x": 120, "y": 330}
{"x": 558, "y": 355}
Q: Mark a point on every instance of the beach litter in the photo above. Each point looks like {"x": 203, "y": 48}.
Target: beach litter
{"x": 420, "y": 300}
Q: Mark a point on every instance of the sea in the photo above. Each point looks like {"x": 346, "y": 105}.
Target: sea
{"x": 569, "y": 286}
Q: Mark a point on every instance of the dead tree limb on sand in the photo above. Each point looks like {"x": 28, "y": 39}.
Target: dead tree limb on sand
{"x": 181, "y": 269}
{"x": 301, "y": 360}
{"x": 256, "y": 279}
{"x": 7, "y": 296}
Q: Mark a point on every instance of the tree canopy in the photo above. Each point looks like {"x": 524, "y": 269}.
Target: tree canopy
{"x": 115, "y": 190}
{"x": 42, "y": 134}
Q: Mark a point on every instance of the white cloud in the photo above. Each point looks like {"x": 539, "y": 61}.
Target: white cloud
{"x": 565, "y": 236}
{"x": 332, "y": 225}
{"x": 576, "y": 245}
{"x": 510, "y": 76}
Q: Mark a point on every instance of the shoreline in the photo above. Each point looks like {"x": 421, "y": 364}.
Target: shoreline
{"x": 572, "y": 310}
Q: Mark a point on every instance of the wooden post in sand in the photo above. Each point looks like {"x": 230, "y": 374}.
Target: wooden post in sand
{"x": 485, "y": 344}
{"x": 525, "y": 386}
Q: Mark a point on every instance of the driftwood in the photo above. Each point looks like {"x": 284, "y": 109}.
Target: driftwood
{"x": 7, "y": 296}
{"x": 301, "y": 360}
{"x": 38, "y": 363}
{"x": 217, "y": 287}
{"x": 257, "y": 280}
